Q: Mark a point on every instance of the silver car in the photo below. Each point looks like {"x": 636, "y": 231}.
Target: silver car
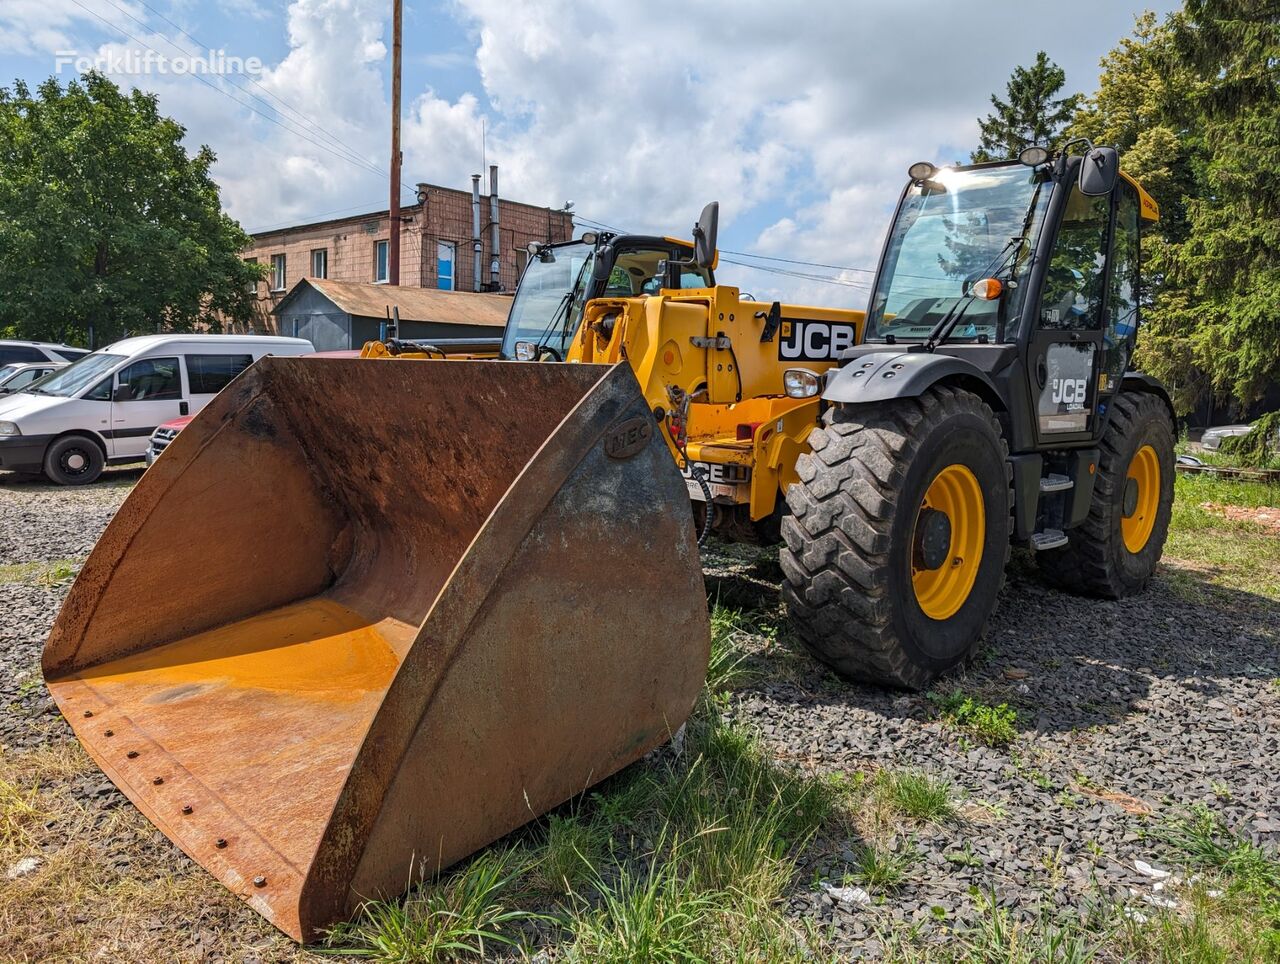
{"x": 19, "y": 375}
{"x": 1212, "y": 438}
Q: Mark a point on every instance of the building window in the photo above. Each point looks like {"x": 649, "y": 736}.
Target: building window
{"x": 277, "y": 272}
{"x": 320, "y": 263}
{"x": 380, "y": 252}
{"x": 252, "y": 286}
{"x": 446, "y": 252}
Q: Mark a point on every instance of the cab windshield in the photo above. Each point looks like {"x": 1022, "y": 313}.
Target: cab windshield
{"x": 952, "y": 230}
{"x": 556, "y": 285}
{"x": 80, "y": 374}
{"x": 544, "y": 302}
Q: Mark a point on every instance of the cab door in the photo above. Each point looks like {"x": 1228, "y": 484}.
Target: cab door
{"x": 148, "y": 393}
{"x": 1066, "y": 351}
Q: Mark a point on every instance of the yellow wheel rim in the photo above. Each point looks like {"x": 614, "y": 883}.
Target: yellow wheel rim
{"x": 942, "y": 591}
{"x": 1144, "y": 471}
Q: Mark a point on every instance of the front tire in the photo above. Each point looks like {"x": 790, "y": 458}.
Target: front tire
{"x": 895, "y": 548}
{"x": 73, "y": 460}
{"x": 1115, "y": 552}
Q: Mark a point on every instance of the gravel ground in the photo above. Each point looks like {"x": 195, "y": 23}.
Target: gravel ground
{"x": 1126, "y": 709}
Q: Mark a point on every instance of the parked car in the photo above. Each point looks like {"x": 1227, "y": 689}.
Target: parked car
{"x": 12, "y": 351}
{"x": 165, "y": 434}
{"x": 102, "y": 409}
{"x": 1212, "y": 438}
{"x": 16, "y": 377}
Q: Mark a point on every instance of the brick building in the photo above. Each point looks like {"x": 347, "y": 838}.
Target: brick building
{"x": 437, "y": 245}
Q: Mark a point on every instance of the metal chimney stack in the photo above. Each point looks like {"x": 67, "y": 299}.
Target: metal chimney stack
{"x": 477, "y": 246}
{"x": 495, "y": 262}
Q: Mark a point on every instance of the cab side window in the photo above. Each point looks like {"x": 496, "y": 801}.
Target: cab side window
{"x": 151, "y": 380}
{"x": 1122, "y": 300}
{"x": 1073, "y": 285}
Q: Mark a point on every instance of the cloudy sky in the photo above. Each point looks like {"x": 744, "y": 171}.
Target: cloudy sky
{"x": 801, "y": 119}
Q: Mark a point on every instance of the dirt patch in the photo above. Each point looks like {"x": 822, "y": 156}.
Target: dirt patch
{"x": 1266, "y": 516}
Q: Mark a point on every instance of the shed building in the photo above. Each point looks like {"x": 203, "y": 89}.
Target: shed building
{"x": 343, "y": 315}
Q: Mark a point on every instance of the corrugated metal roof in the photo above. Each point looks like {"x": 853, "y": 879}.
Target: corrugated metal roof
{"x": 415, "y": 304}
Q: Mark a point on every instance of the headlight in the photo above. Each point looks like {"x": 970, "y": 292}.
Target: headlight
{"x": 9, "y": 428}
{"x": 526, "y": 351}
{"x": 801, "y": 383}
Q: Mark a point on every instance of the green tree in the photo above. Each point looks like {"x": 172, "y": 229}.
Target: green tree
{"x": 1144, "y": 106}
{"x": 1032, "y": 114}
{"x": 107, "y": 225}
{"x": 1224, "y": 275}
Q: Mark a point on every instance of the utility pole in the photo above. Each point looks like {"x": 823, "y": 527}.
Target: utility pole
{"x": 393, "y": 248}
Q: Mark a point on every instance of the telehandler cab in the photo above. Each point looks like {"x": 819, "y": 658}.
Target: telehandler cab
{"x": 425, "y": 603}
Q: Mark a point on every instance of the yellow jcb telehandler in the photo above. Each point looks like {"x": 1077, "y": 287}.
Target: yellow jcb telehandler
{"x": 420, "y": 604}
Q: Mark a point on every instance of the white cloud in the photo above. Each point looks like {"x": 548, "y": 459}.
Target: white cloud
{"x": 800, "y": 120}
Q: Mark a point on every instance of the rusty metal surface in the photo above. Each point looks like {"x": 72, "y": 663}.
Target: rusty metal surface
{"x": 441, "y": 609}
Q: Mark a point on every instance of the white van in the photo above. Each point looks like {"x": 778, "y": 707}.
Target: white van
{"x": 103, "y": 408}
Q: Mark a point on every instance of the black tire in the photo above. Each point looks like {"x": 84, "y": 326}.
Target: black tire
{"x": 848, "y": 540}
{"x": 1096, "y": 561}
{"x": 73, "y": 460}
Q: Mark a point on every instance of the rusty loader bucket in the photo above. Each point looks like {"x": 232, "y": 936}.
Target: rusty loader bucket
{"x": 362, "y": 619}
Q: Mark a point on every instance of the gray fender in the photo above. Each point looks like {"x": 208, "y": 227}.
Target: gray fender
{"x": 880, "y": 376}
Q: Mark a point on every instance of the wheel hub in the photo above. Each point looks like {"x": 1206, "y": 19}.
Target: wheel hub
{"x": 1140, "y": 500}
{"x": 946, "y": 545}
{"x": 1130, "y": 503}
{"x": 933, "y": 539}
{"x": 75, "y": 461}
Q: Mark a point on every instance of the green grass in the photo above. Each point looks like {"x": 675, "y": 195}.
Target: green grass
{"x": 1228, "y": 911}
{"x": 915, "y": 794}
{"x": 993, "y": 725}
{"x": 681, "y": 858}
{"x": 727, "y": 669}
{"x": 467, "y": 915}
{"x": 884, "y": 869}
{"x": 51, "y": 573}
{"x": 1209, "y": 552}
{"x": 570, "y": 847}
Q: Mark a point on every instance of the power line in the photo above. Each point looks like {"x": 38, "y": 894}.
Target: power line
{"x": 825, "y": 279}
{"x": 329, "y": 150}
{"x": 812, "y": 264}
{"x": 316, "y": 126}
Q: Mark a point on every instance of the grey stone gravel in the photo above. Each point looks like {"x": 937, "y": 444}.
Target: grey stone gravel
{"x": 41, "y": 522}
{"x": 1126, "y": 709}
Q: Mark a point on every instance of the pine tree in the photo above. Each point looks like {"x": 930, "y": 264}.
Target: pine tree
{"x": 1222, "y": 280}
{"x": 1032, "y": 114}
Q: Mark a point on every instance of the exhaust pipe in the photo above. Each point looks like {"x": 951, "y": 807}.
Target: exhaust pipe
{"x": 477, "y": 246}
{"x": 495, "y": 265}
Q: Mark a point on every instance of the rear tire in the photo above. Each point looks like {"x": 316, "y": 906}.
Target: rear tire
{"x": 1114, "y": 554}
{"x": 73, "y": 460}
{"x": 866, "y": 596}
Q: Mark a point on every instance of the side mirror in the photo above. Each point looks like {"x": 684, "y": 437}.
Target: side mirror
{"x": 1099, "y": 169}
{"x": 602, "y": 267}
{"x": 704, "y": 236}
{"x": 122, "y": 393}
